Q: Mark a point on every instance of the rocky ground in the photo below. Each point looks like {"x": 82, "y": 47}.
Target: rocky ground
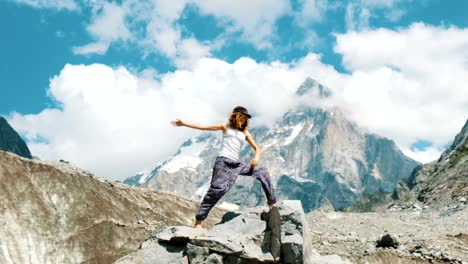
{"x": 54, "y": 212}
{"x": 422, "y": 235}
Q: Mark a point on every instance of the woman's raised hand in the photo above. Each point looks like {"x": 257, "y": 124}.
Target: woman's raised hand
{"x": 253, "y": 163}
{"x": 177, "y": 122}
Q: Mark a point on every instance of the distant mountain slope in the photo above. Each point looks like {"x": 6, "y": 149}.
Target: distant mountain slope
{"x": 56, "y": 213}
{"x": 10, "y": 140}
{"x": 441, "y": 182}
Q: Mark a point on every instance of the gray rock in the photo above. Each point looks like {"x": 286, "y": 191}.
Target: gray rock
{"x": 252, "y": 251}
{"x": 177, "y": 234}
{"x": 240, "y": 238}
{"x": 197, "y": 255}
{"x": 241, "y": 225}
{"x": 274, "y": 234}
{"x": 293, "y": 224}
{"x": 232, "y": 260}
{"x": 387, "y": 241}
{"x": 214, "y": 259}
{"x": 291, "y": 247}
{"x": 156, "y": 254}
{"x": 218, "y": 244}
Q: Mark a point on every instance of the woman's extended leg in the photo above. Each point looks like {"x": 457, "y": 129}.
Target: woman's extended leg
{"x": 222, "y": 180}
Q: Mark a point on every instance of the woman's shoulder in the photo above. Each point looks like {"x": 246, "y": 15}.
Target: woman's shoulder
{"x": 225, "y": 127}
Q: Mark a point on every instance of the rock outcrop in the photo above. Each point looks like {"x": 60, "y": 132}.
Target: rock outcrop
{"x": 10, "y": 140}
{"x": 445, "y": 182}
{"x": 52, "y": 212}
{"x": 249, "y": 236}
{"x": 440, "y": 185}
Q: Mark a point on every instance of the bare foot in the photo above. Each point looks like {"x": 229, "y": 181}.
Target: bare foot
{"x": 198, "y": 224}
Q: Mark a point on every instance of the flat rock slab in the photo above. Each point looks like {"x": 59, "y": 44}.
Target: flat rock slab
{"x": 240, "y": 226}
{"x": 178, "y": 234}
{"x": 218, "y": 244}
{"x": 155, "y": 254}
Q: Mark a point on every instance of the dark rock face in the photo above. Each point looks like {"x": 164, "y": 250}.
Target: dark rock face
{"x": 445, "y": 181}
{"x": 10, "y": 140}
{"x": 244, "y": 237}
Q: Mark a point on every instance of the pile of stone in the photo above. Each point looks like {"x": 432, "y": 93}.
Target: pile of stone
{"x": 415, "y": 207}
{"x": 250, "y": 236}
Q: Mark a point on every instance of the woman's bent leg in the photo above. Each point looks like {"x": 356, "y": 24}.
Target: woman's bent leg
{"x": 262, "y": 174}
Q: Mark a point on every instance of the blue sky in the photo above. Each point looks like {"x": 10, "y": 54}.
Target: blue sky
{"x": 165, "y": 43}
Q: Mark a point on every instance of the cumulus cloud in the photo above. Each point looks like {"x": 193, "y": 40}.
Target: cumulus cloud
{"x": 254, "y": 21}
{"x": 115, "y": 123}
{"x": 407, "y": 84}
{"x": 108, "y": 25}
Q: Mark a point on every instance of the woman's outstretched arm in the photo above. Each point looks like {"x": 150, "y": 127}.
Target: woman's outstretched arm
{"x": 178, "y": 122}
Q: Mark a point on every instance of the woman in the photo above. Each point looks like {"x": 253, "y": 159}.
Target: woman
{"x": 227, "y": 166}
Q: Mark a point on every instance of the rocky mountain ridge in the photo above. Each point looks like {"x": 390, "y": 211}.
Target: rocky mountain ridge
{"x": 11, "y": 141}
{"x": 444, "y": 182}
{"x": 313, "y": 155}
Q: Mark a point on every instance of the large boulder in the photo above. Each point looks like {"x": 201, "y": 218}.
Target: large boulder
{"x": 248, "y": 236}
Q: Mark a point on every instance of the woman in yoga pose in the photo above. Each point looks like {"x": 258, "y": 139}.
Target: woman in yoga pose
{"x": 228, "y": 166}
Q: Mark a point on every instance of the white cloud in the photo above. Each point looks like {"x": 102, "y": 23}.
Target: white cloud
{"x": 395, "y": 14}
{"x": 379, "y": 3}
{"x": 115, "y": 123}
{"x": 53, "y": 4}
{"x": 424, "y": 156}
{"x": 358, "y": 13}
{"x": 108, "y": 25}
{"x": 409, "y": 84}
{"x": 255, "y": 19}
{"x": 96, "y": 48}
{"x": 189, "y": 52}
{"x": 312, "y": 10}
{"x": 183, "y": 52}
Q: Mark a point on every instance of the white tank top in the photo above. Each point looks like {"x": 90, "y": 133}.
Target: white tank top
{"x": 233, "y": 142}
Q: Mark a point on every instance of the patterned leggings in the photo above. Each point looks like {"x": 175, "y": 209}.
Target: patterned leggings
{"x": 225, "y": 173}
